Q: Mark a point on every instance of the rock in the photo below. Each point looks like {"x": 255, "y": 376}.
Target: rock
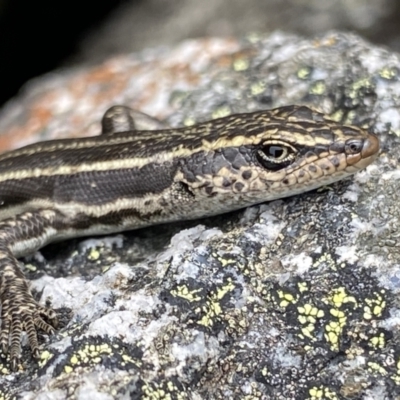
{"x": 293, "y": 299}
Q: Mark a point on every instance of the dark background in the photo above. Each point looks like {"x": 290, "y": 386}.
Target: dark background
{"x": 38, "y": 37}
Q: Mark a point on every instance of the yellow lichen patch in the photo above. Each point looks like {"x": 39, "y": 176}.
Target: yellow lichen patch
{"x": 45, "y": 357}
{"x": 375, "y": 306}
{"x": 337, "y": 299}
{"x": 286, "y": 298}
{"x": 396, "y": 377}
{"x": 258, "y": 88}
{"x": 327, "y": 259}
{"x": 241, "y": 64}
{"x": 361, "y": 84}
{"x": 4, "y": 370}
{"x": 213, "y": 307}
{"x": 167, "y": 390}
{"x": 318, "y": 88}
{"x": 376, "y": 368}
{"x": 378, "y": 341}
{"x": 184, "y": 292}
{"x": 4, "y": 396}
{"x": 68, "y": 369}
{"x": 94, "y": 254}
{"x": 322, "y": 393}
{"x": 304, "y": 72}
{"x": 303, "y": 287}
{"x": 388, "y": 73}
{"x": 337, "y": 116}
{"x": 308, "y": 316}
{"x": 30, "y": 267}
{"x": 339, "y": 315}
{"x": 189, "y": 121}
{"x": 226, "y": 261}
{"x": 332, "y": 334}
{"x": 127, "y": 359}
{"x": 220, "y": 112}
{"x": 222, "y": 291}
{"x": 91, "y": 354}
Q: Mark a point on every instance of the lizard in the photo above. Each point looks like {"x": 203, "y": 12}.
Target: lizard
{"x": 139, "y": 173}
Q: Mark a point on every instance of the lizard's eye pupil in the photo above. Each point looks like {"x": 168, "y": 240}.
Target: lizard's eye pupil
{"x": 275, "y": 151}
{"x": 275, "y": 156}
{"x": 353, "y": 146}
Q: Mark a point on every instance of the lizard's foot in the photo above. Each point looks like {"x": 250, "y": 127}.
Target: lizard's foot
{"x": 21, "y": 312}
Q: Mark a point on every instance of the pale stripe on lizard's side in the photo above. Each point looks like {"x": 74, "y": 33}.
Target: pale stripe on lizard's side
{"x": 128, "y": 178}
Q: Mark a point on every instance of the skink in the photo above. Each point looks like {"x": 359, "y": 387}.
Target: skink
{"x": 129, "y": 178}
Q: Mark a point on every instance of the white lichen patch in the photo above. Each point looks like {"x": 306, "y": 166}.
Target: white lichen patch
{"x": 299, "y": 263}
{"x": 347, "y": 253}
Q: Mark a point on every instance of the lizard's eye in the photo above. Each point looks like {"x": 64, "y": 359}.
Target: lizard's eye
{"x": 275, "y": 156}
{"x": 353, "y": 146}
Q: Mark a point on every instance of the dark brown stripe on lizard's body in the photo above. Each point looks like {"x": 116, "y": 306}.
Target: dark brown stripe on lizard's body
{"x": 90, "y": 187}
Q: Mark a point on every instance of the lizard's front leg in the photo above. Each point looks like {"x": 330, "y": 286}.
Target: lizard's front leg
{"x": 22, "y": 235}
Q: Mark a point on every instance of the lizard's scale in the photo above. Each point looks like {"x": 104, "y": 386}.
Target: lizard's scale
{"x": 129, "y": 178}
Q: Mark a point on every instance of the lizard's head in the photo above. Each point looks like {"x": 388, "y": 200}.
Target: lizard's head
{"x": 279, "y": 153}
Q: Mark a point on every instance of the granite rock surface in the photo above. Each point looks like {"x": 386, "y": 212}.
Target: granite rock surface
{"x": 292, "y": 299}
